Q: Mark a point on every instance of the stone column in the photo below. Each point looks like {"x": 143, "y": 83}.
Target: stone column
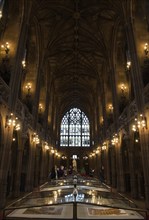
{"x": 17, "y": 69}
{"x": 37, "y": 168}
{"x": 4, "y": 164}
{"x": 114, "y": 98}
{"x": 139, "y": 94}
{"x": 97, "y": 165}
{"x": 121, "y": 174}
{"x": 136, "y": 74}
{"x": 144, "y": 138}
{"x": 98, "y": 117}
{"x": 47, "y": 102}
{"x": 46, "y": 169}
{"x": 43, "y": 170}
{"x": 107, "y": 166}
{"x": 42, "y": 166}
{"x": 104, "y": 108}
{"x": 50, "y": 160}
{"x": 132, "y": 168}
{"x": 21, "y": 142}
{"x": 120, "y": 171}
{"x": 139, "y": 98}
{"x": 113, "y": 164}
{"x": 103, "y": 166}
{"x": 30, "y": 169}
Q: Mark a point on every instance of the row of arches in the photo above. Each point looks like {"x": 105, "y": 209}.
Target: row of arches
{"x": 25, "y": 161}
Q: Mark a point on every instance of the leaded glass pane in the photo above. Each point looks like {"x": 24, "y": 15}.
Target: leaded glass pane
{"x": 75, "y": 129}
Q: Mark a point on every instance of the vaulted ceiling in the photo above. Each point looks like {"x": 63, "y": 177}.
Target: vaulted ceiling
{"x": 76, "y": 36}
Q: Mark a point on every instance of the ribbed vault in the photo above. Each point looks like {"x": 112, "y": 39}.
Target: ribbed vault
{"x": 76, "y": 37}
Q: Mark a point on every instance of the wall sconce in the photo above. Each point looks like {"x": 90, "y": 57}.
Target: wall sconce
{"x": 12, "y": 121}
{"x": 114, "y": 139}
{"x": 46, "y": 146}
{"x": 146, "y": 49}
{"x": 17, "y": 125}
{"x": 1, "y": 8}
{"x": 57, "y": 154}
{"x": 101, "y": 120}
{"x": 23, "y": 64}
{"x": 5, "y": 47}
{"x": 40, "y": 107}
{"x": 35, "y": 138}
{"x": 136, "y": 140}
{"x": 52, "y": 151}
{"x": 97, "y": 151}
{"x": 64, "y": 157}
{"x": 85, "y": 157}
{"x": 123, "y": 89}
{"x": 1, "y": 14}
{"x": 128, "y": 65}
{"x": 24, "y": 59}
{"x": 104, "y": 146}
{"x": 28, "y": 87}
{"x": 110, "y": 108}
{"x": 93, "y": 154}
{"x": 140, "y": 122}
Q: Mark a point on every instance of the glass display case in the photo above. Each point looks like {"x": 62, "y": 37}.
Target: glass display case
{"x": 73, "y": 198}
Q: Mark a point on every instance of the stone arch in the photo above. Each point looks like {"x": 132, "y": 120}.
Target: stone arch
{"x": 75, "y": 129}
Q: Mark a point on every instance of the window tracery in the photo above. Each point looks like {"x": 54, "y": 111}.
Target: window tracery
{"x": 75, "y": 129}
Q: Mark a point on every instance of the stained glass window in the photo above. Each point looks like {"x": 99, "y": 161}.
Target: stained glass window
{"x": 75, "y": 129}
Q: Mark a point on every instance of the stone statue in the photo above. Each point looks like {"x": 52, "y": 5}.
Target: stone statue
{"x": 74, "y": 165}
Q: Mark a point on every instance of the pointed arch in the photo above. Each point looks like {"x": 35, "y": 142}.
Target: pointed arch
{"x": 75, "y": 129}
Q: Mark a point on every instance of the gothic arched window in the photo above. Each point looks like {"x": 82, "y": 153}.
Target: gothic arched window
{"x": 75, "y": 129}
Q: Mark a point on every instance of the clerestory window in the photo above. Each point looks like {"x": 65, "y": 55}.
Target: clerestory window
{"x": 75, "y": 129}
